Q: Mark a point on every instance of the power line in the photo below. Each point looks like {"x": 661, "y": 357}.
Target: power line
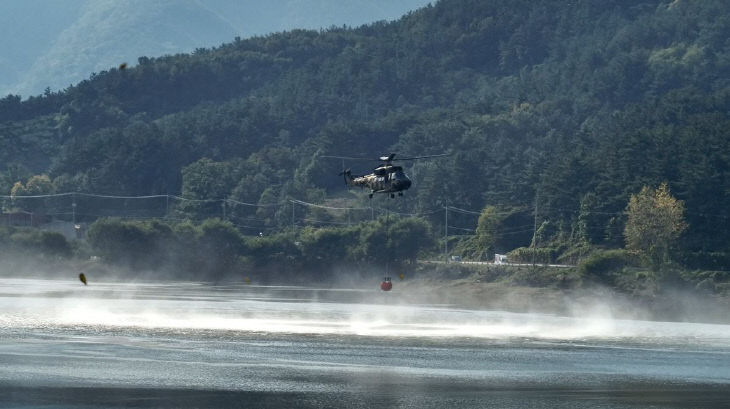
{"x": 326, "y": 207}
{"x": 241, "y": 203}
{"x": 461, "y": 228}
{"x": 462, "y": 210}
{"x": 35, "y": 196}
{"x": 325, "y": 222}
{"x": 117, "y": 197}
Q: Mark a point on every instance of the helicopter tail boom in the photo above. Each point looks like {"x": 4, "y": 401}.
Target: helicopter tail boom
{"x": 348, "y": 177}
{"x": 359, "y": 181}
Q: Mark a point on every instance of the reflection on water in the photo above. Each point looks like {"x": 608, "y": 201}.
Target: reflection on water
{"x": 192, "y": 345}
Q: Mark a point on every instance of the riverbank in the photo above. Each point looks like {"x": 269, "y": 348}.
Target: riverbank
{"x": 538, "y": 289}
{"x": 560, "y": 291}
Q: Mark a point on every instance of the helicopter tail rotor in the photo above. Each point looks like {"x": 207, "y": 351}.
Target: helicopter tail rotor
{"x": 347, "y": 176}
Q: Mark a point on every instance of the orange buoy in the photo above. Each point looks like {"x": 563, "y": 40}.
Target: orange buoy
{"x": 386, "y": 285}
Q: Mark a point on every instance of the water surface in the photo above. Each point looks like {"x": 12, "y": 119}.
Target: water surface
{"x": 195, "y": 345}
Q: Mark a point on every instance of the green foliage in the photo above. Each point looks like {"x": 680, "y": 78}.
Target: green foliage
{"x": 219, "y": 245}
{"x": 206, "y": 183}
{"x": 215, "y": 249}
{"x": 544, "y": 277}
{"x": 540, "y": 255}
{"x": 328, "y": 244}
{"x": 591, "y": 224}
{"x": 208, "y": 250}
{"x": 636, "y": 282}
{"x": 34, "y": 242}
{"x": 500, "y": 230}
{"x": 281, "y": 252}
{"x": 407, "y": 238}
{"x": 387, "y": 241}
{"x": 575, "y": 254}
{"x": 712, "y": 281}
{"x": 136, "y": 244}
{"x": 487, "y": 230}
{"x": 704, "y": 259}
{"x": 575, "y": 105}
{"x": 602, "y": 264}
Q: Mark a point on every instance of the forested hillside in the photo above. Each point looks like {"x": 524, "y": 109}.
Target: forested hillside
{"x": 555, "y": 113}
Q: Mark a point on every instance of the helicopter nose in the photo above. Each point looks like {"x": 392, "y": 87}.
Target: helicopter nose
{"x": 402, "y": 184}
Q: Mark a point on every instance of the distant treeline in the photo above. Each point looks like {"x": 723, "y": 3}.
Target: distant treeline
{"x": 214, "y": 249}
{"x": 555, "y": 113}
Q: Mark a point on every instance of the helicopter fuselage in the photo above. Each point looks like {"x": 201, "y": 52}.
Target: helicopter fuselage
{"x": 384, "y": 179}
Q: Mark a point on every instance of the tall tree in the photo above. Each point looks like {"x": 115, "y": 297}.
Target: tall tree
{"x": 655, "y": 221}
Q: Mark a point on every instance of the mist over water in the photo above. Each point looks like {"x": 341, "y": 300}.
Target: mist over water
{"x": 185, "y": 345}
{"x": 297, "y": 310}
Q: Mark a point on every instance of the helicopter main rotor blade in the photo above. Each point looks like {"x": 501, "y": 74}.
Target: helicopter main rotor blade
{"x": 389, "y": 158}
{"x": 348, "y": 157}
{"x": 425, "y": 157}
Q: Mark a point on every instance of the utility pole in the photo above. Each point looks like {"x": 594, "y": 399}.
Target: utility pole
{"x": 446, "y": 233}
{"x": 534, "y": 235}
{"x": 73, "y": 208}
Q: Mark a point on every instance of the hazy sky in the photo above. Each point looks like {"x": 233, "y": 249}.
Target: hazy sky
{"x": 56, "y": 43}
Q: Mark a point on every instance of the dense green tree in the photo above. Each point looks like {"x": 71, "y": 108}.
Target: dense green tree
{"x": 591, "y": 222}
{"x": 206, "y": 184}
{"x": 136, "y": 244}
{"x": 328, "y": 244}
{"x": 408, "y": 237}
{"x": 221, "y": 245}
{"x": 500, "y": 230}
{"x": 35, "y": 243}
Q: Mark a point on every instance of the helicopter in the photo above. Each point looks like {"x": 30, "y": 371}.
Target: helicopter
{"x": 386, "y": 178}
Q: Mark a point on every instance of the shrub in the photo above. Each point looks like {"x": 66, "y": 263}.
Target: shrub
{"x": 138, "y": 244}
{"x": 603, "y": 263}
{"x": 43, "y": 242}
{"x": 704, "y": 260}
{"x": 541, "y": 255}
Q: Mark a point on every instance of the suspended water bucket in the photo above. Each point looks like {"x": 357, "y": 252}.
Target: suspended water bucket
{"x": 386, "y": 285}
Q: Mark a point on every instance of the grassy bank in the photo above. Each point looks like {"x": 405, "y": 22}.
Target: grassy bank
{"x": 564, "y": 291}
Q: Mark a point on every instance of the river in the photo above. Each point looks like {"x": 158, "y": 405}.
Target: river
{"x": 191, "y": 345}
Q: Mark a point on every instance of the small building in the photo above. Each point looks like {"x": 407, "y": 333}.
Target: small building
{"x": 19, "y": 218}
{"x": 500, "y": 259}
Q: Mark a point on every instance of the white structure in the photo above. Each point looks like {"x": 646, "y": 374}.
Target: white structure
{"x": 500, "y": 259}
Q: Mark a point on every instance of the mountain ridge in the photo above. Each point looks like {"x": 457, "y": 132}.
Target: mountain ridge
{"x": 91, "y": 36}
